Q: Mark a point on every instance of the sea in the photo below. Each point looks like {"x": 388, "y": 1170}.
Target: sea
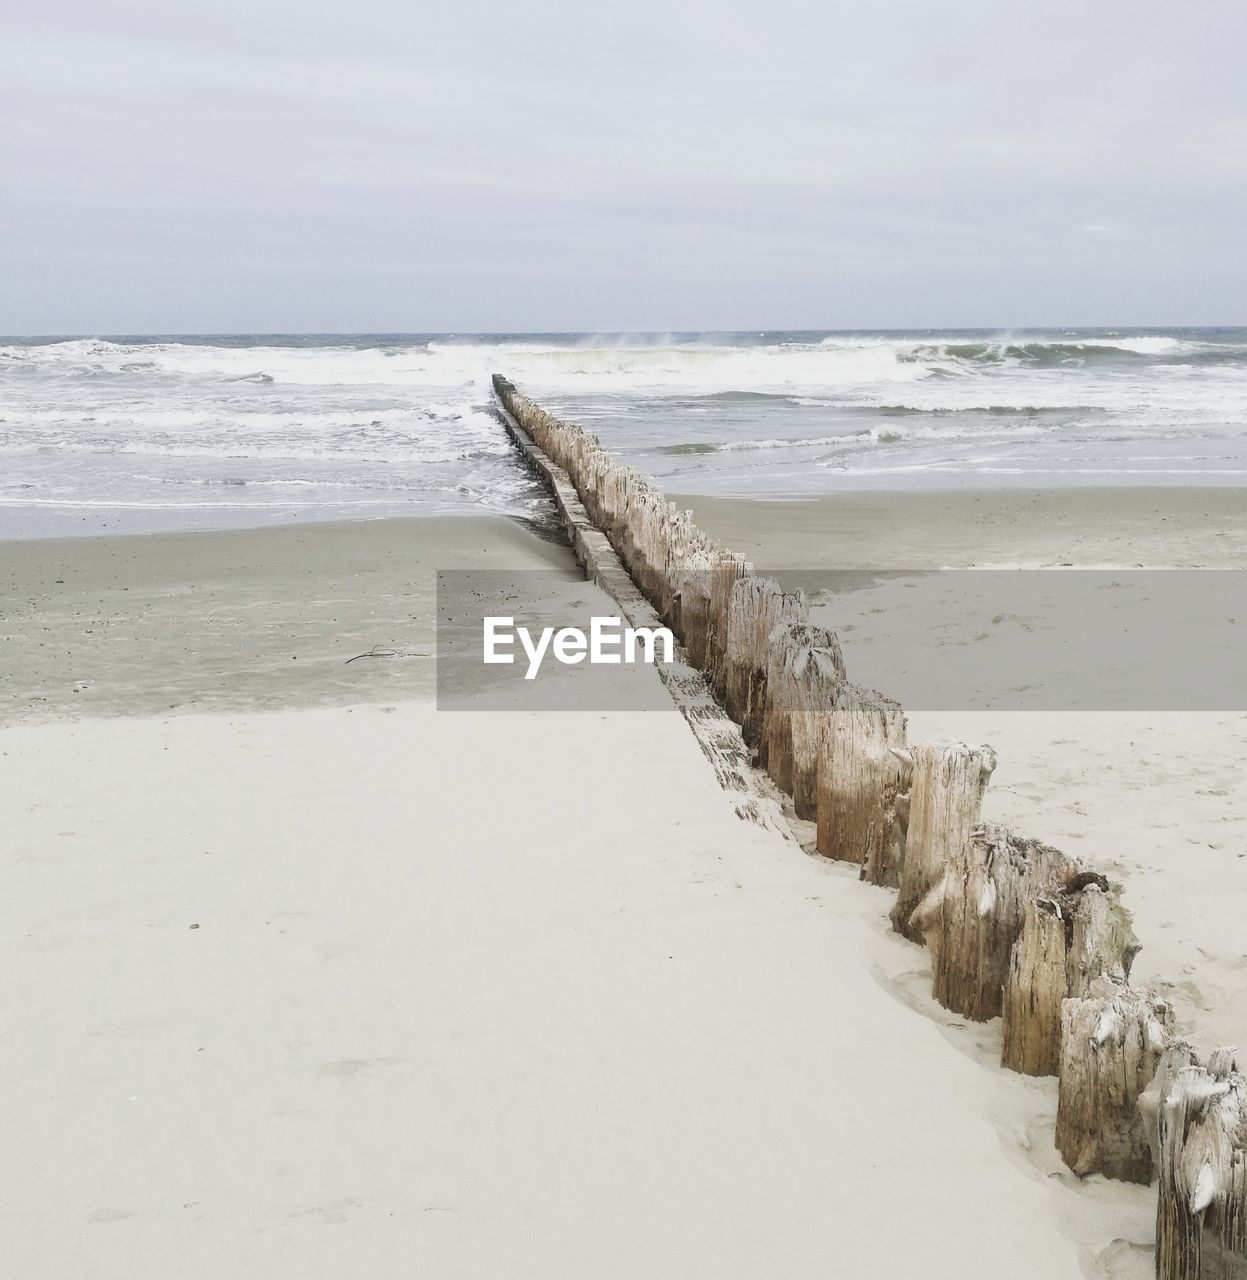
{"x": 135, "y": 434}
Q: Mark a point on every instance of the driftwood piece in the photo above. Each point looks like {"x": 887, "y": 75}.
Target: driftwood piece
{"x": 1068, "y": 939}
{"x": 973, "y": 915}
{"x": 804, "y": 669}
{"x": 1112, "y": 1041}
{"x": 756, "y": 606}
{"x": 945, "y": 800}
{"x": 858, "y": 777}
{"x": 1201, "y": 1145}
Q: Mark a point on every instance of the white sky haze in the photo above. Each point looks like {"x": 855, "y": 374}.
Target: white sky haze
{"x": 483, "y": 166}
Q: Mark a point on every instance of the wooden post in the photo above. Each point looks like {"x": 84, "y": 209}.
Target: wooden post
{"x": 972, "y": 917}
{"x": 803, "y": 670}
{"x": 681, "y": 539}
{"x": 1112, "y": 1040}
{"x": 945, "y": 800}
{"x": 756, "y": 607}
{"x": 1201, "y": 1137}
{"x": 858, "y": 778}
{"x": 885, "y": 858}
{"x": 693, "y": 595}
{"x": 1068, "y": 939}
{"x": 1177, "y": 1236}
{"x": 728, "y": 569}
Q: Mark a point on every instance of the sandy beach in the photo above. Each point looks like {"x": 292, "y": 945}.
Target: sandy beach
{"x": 357, "y": 985}
{"x": 240, "y": 619}
{"x": 313, "y": 979}
{"x": 621, "y": 643}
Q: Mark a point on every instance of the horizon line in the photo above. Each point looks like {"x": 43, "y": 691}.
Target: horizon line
{"x": 760, "y": 331}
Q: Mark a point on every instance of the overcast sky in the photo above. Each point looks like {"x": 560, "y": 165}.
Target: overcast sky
{"x": 481, "y": 165}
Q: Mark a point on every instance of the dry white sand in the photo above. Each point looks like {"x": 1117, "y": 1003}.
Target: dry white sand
{"x": 473, "y": 995}
{"x": 480, "y": 993}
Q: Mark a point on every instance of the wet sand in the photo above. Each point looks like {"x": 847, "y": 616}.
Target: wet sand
{"x": 1153, "y": 528}
{"x": 246, "y": 619}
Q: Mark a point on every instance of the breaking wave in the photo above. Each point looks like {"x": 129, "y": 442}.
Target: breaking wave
{"x": 327, "y": 422}
{"x": 726, "y": 366}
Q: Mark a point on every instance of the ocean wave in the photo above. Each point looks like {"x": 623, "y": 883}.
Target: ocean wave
{"x": 432, "y": 435}
{"x": 983, "y": 410}
{"x": 796, "y": 442}
{"x": 952, "y": 432}
{"x": 1048, "y": 353}
{"x": 691, "y": 447}
{"x": 393, "y": 455}
{"x": 701, "y": 368}
{"x": 494, "y": 499}
{"x": 330, "y": 422}
{"x": 255, "y": 483}
{"x": 729, "y": 368}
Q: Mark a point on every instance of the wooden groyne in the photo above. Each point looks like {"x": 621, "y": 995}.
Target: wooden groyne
{"x": 1015, "y": 928}
{"x": 716, "y": 733}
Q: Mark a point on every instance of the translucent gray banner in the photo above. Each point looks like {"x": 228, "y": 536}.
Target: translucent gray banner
{"x": 952, "y": 640}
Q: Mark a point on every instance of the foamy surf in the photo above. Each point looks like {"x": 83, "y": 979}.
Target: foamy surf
{"x": 335, "y": 425}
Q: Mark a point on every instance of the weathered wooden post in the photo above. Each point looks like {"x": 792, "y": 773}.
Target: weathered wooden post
{"x": 727, "y": 569}
{"x": 755, "y": 608}
{"x": 803, "y": 669}
{"x": 972, "y": 916}
{"x": 646, "y": 557}
{"x": 693, "y": 595}
{"x": 1177, "y": 1236}
{"x": 1112, "y": 1041}
{"x": 670, "y": 552}
{"x": 1068, "y": 938}
{"x": 1201, "y": 1144}
{"x": 885, "y": 858}
{"x": 945, "y": 801}
{"x": 858, "y": 777}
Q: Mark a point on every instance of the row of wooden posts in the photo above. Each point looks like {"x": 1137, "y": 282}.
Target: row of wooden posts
{"x": 1014, "y": 928}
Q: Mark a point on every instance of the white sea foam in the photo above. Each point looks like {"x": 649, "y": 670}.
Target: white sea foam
{"x": 336, "y": 424}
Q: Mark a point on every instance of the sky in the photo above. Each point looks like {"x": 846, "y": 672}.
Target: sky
{"x": 479, "y": 166}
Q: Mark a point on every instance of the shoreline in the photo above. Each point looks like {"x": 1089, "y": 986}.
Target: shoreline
{"x": 868, "y": 522}
{"x": 857, "y": 518}
{"x": 60, "y": 522}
